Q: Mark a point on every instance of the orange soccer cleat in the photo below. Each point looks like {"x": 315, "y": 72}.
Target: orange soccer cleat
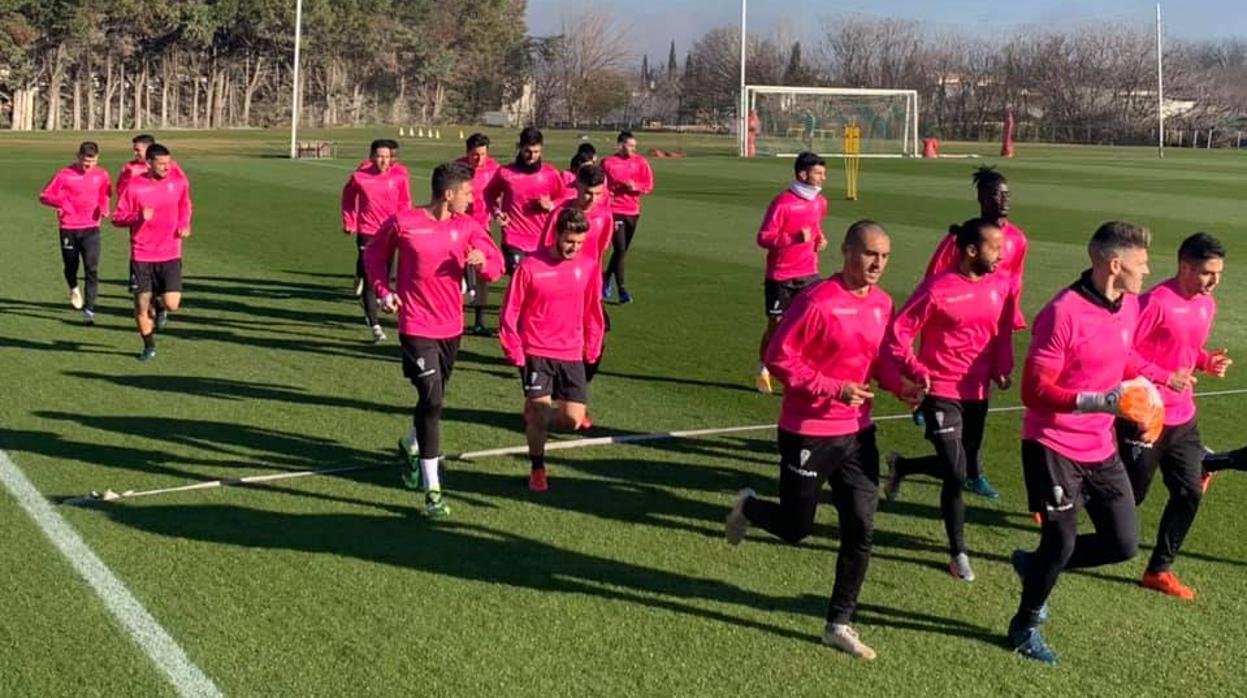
{"x": 537, "y": 480}
{"x": 1167, "y": 583}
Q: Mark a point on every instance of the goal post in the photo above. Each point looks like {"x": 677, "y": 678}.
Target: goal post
{"x": 783, "y": 121}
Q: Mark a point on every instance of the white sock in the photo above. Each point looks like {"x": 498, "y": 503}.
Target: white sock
{"x": 412, "y": 441}
{"x": 429, "y": 467}
{"x": 762, "y": 370}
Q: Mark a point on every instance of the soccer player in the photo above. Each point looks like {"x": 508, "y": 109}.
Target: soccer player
{"x": 80, "y": 194}
{"x": 435, "y": 245}
{"x": 826, "y": 351}
{"x": 584, "y": 156}
{"x": 521, "y": 196}
{"x": 138, "y": 165}
{"x": 590, "y": 199}
{"x": 483, "y": 169}
{"x": 792, "y": 235}
{"x": 551, "y": 326}
{"x": 369, "y": 198}
{"x": 993, "y": 198}
{"x": 1175, "y": 320}
{"x": 156, "y": 207}
{"x": 628, "y": 178}
{"x": 1072, "y": 386}
{"x": 961, "y": 321}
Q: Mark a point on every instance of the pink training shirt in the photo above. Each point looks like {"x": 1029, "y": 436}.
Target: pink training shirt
{"x": 1171, "y": 334}
{"x": 431, "y": 259}
{"x": 371, "y": 196}
{"x": 1012, "y": 264}
{"x": 830, "y": 336}
{"x": 518, "y": 194}
{"x": 788, "y": 215}
{"x": 80, "y": 198}
{"x": 965, "y": 334}
{"x": 482, "y": 175}
{"x": 601, "y": 226}
{"x": 155, "y": 240}
{"x": 622, "y": 172}
{"x": 1082, "y": 346}
{"x": 138, "y": 168}
{"x": 553, "y": 310}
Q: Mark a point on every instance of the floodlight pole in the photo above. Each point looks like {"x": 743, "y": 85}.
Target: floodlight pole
{"x": 294, "y": 90}
{"x": 741, "y": 116}
{"x": 1160, "y": 89}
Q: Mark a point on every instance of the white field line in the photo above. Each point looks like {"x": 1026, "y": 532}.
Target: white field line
{"x": 186, "y": 678}
{"x": 110, "y": 495}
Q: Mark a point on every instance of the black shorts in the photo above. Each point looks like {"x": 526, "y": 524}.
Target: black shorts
{"x": 1056, "y": 484}
{"x": 428, "y": 363}
{"x": 512, "y": 256}
{"x": 156, "y": 278}
{"x": 564, "y": 381}
{"x": 1179, "y": 453}
{"x": 779, "y": 294}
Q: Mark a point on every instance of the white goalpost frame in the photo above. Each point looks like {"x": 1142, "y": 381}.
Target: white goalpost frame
{"x": 910, "y": 144}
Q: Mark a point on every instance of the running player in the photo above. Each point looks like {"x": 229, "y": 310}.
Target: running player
{"x": 156, "y": 207}
{"x": 521, "y": 196}
{"x": 551, "y": 326}
{"x": 585, "y": 155}
{"x": 1072, "y": 388}
{"x": 993, "y": 198}
{"x": 138, "y": 165}
{"x": 961, "y": 320}
{"x": 628, "y": 178}
{"x": 80, "y": 194}
{"x": 483, "y": 170}
{"x": 1175, "y": 320}
{"x": 792, "y": 235}
{"x": 434, "y": 244}
{"x": 369, "y": 198}
{"x": 826, "y": 352}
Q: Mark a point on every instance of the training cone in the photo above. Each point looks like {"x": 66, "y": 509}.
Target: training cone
{"x": 460, "y": 134}
{"x": 421, "y": 132}
{"x": 439, "y": 134}
{"x": 400, "y": 132}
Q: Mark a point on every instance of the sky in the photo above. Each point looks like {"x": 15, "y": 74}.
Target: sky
{"x": 654, "y": 23}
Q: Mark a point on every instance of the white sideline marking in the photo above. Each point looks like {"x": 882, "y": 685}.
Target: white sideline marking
{"x": 161, "y": 648}
{"x": 110, "y": 496}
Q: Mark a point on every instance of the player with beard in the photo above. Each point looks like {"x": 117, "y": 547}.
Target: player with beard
{"x": 521, "y": 196}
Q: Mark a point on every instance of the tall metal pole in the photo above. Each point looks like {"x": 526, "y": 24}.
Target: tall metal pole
{"x": 1160, "y": 89}
{"x": 294, "y": 89}
{"x": 741, "y": 112}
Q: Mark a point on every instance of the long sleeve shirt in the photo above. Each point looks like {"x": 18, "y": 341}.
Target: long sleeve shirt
{"x": 482, "y": 175}
{"x": 156, "y": 239}
{"x": 1080, "y": 343}
{"x": 964, "y": 331}
{"x": 553, "y": 310}
{"x": 787, "y": 257}
{"x": 370, "y": 197}
{"x": 622, "y": 172}
{"x": 830, "y": 336}
{"x": 80, "y": 198}
{"x": 519, "y": 195}
{"x": 601, "y": 225}
{"x": 431, "y": 263}
{"x": 138, "y": 168}
{"x": 1012, "y": 264}
{"x": 1170, "y": 337}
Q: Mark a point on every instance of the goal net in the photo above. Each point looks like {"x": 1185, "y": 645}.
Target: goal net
{"x": 783, "y": 121}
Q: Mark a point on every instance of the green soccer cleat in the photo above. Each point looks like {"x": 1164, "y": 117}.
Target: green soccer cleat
{"x": 434, "y": 506}
{"x": 409, "y": 466}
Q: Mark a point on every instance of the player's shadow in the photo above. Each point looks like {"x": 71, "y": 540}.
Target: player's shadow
{"x": 462, "y": 551}
{"x": 675, "y": 380}
{"x": 872, "y": 614}
{"x": 273, "y": 289}
{"x": 213, "y": 449}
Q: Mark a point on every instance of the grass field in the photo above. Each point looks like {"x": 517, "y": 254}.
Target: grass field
{"x": 615, "y": 582}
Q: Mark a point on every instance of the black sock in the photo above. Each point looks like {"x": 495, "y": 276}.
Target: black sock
{"x": 157, "y": 305}
{"x": 149, "y": 341}
{"x": 539, "y": 462}
{"x": 480, "y": 316}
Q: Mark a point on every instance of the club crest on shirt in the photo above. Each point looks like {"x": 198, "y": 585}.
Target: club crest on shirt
{"x": 1203, "y": 313}
{"x": 1125, "y": 338}
{"x": 995, "y": 297}
{"x": 576, "y": 273}
{"x": 878, "y": 315}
